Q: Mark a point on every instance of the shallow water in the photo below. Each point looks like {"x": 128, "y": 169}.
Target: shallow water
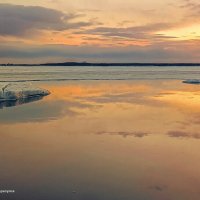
{"x": 104, "y": 140}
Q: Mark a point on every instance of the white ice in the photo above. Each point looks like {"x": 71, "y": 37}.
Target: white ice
{"x": 16, "y": 91}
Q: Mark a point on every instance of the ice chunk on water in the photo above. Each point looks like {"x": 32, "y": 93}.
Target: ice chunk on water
{"x": 18, "y": 91}
{"x": 192, "y": 81}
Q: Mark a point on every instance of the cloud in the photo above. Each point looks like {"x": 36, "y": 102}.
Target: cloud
{"x": 166, "y": 52}
{"x": 190, "y": 4}
{"x": 141, "y": 43}
{"x": 135, "y": 32}
{"x": 192, "y": 9}
{"x": 183, "y": 134}
{"x": 18, "y": 20}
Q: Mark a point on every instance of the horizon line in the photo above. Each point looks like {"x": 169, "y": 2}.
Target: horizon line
{"x": 84, "y": 63}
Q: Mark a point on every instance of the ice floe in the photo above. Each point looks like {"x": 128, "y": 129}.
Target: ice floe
{"x": 192, "y": 81}
{"x": 20, "y": 91}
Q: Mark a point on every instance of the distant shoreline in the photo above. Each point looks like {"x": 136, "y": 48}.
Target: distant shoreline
{"x": 87, "y": 64}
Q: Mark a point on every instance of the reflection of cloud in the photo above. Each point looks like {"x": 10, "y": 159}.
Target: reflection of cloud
{"x": 131, "y": 98}
{"x": 183, "y": 134}
{"x": 41, "y": 111}
{"x": 125, "y": 134}
{"x": 186, "y": 100}
{"x": 194, "y": 119}
{"x": 158, "y": 188}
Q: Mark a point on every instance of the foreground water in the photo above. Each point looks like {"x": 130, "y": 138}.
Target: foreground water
{"x": 103, "y": 140}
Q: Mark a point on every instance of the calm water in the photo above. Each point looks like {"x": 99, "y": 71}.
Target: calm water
{"x": 103, "y": 140}
{"x": 97, "y": 73}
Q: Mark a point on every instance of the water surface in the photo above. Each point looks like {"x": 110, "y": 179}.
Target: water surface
{"x": 58, "y": 73}
{"x": 104, "y": 140}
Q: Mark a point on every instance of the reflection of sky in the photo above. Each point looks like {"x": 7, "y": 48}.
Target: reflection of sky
{"x": 40, "y": 111}
{"x": 95, "y": 140}
{"x": 163, "y": 106}
{"x": 122, "y": 107}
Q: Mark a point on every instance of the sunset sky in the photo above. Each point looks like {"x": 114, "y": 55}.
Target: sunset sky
{"x": 99, "y": 31}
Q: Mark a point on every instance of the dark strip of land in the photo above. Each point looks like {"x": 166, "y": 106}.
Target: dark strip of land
{"x": 105, "y": 64}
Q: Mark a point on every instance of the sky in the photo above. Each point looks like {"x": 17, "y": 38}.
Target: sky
{"x": 40, "y": 31}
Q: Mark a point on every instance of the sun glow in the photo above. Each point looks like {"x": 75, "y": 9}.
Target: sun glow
{"x": 185, "y": 33}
